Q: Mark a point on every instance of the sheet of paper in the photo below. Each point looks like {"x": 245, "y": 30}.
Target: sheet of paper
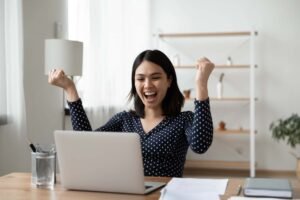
{"x": 194, "y": 189}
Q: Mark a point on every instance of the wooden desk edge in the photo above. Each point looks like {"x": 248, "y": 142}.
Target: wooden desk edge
{"x": 232, "y": 187}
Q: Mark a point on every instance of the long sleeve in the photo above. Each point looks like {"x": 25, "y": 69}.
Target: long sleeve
{"x": 199, "y": 128}
{"x": 80, "y": 121}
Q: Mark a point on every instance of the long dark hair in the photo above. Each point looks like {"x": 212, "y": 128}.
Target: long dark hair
{"x": 173, "y": 101}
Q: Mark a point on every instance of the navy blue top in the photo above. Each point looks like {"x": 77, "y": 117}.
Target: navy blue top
{"x": 164, "y": 147}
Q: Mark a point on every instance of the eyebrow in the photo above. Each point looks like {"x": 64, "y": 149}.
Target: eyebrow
{"x": 153, "y": 74}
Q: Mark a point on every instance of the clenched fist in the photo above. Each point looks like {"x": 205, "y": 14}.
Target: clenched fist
{"x": 204, "y": 69}
{"x": 58, "y": 78}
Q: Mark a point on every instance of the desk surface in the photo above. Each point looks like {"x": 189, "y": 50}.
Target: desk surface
{"x": 17, "y": 186}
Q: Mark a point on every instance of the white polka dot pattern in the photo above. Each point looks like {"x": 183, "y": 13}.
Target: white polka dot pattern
{"x": 164, "y": 148}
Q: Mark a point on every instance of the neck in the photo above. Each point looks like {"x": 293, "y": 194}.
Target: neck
{"x": 153, "y": 113}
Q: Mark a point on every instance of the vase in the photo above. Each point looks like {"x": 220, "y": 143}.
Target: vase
{"x": 229, "y": 61}
{"x": 220, "y": 90}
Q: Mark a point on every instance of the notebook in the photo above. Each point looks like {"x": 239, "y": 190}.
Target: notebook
{"x": 268, "y": 187}
{"x": 102, "y": 161}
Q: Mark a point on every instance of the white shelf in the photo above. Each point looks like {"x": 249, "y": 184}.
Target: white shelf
{"x": 228, "y": 99}
{"x": 249, "y": 165}
{"x": 240, "y": 66}
{"x": 233, "y": 132}
{"x": 207, "y": 34}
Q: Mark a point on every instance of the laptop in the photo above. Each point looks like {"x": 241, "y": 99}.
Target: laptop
{"x": 102, "y": 161}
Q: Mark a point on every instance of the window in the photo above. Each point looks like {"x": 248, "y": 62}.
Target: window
{"x": 3, "y": 105}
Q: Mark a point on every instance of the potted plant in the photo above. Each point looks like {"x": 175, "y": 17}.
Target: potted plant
{"x": 289, "y": 130}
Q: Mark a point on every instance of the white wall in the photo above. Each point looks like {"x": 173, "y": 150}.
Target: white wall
{"x": 277, "y": 77}
{"x": 43, "y": 102}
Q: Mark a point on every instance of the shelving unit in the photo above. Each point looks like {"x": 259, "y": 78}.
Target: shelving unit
{"x": 207, "y": 34}
{"x": 247, "y": 99}
{"x": 251, "y": 99}
{"x": 231, "y": 131}
{"x": 216, "y": 66}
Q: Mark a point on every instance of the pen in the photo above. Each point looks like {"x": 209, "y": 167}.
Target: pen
{"x": 32, "y": 147}
{"x": 239, "y": 190}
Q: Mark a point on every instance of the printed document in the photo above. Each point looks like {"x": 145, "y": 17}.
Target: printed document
{"x": 194, "y": 189}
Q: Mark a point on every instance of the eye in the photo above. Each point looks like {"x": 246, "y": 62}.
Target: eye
{"x": 139, "y": 79}
{"x": 156, "y": 77}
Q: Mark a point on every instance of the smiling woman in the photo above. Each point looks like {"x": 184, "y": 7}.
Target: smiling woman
{"x": 165, "y": 132}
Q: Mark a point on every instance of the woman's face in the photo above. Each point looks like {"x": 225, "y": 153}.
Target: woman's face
{"x": 151, "y": 84}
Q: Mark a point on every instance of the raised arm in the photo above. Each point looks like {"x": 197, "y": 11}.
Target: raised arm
{"x": 79, "y": 119}
{"x": 200, "y": 129}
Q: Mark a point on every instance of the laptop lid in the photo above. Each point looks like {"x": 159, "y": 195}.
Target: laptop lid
{"x": 101, "y": 161}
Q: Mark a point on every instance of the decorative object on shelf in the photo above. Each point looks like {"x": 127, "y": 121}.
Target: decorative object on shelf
{"x": 229, "y": 61}
{"x": 220, "y": 86}
{"x": 176, "y": 60}
{"x": 187, "y": 93}
{"x": 222, "y": 126}
{"x": 288, "y": 129}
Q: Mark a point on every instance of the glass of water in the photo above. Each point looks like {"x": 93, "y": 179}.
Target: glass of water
{"x": 43, "y": 168}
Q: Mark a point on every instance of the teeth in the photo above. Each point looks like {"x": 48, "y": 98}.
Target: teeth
{"x": 149, "y": 93}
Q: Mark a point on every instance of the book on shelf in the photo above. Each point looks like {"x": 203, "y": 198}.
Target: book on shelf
{"x": 268, "y": 187}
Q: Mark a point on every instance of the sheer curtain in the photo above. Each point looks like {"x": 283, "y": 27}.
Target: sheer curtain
{"x": 2, "y": 68}
{"x": 13, "y": 150}
{"x": 114, "y": 32}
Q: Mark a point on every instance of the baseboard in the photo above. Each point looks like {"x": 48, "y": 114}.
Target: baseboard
{"x": 217, "y": 164}
{"x": 230, "y": 169}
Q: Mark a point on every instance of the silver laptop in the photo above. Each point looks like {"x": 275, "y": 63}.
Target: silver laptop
{"x": 102, "y": 161}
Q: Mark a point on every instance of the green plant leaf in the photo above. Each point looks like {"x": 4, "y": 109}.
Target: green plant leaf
{"x": 287, "y": 129}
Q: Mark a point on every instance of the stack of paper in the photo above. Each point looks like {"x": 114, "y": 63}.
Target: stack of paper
{"x": 194, "y": 189}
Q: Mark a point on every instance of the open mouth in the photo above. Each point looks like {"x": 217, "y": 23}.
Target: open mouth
{"x": 150, "y": 95}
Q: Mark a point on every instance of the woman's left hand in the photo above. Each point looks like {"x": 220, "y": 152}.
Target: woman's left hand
{"x": 204, "y": 69}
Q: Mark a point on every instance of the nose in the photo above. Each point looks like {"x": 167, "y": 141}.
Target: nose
{"x": 148, "y": 82}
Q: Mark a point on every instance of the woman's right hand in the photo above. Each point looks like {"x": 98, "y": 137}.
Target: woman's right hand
{"x": 58, "y": 78}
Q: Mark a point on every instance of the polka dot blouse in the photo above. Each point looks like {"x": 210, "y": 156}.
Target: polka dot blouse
{"x": 164, "y": 148}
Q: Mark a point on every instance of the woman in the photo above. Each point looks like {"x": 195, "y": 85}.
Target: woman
{"x": 165, "y": 131}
